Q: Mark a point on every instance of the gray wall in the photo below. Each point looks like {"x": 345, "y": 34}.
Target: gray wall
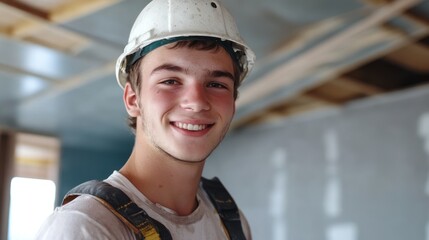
{"x": 355, "y": 173}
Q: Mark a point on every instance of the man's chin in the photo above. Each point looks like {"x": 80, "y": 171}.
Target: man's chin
{"x": 186, "y": 158}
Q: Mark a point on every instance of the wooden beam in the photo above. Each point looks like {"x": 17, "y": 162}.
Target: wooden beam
{"x": 25, "y": 8}
{"x": 298, "y": 104}
{"x": 14, "y": 70}
{"x": 357, "y": 86}
{"x": 73, "y": 82}
{"x": 323, "y": 97}
{"x": 26, "y": 28}
{"x": 76, "y": 9}
{"x": 31, "y": 19}
{"x": 413, "y": 56}
{"x": 417, "y": 17}
{"x": 302, "y": 39}
{"x": 311, "y": 106}
{"x": 66, "y": 12}
{"x": 59, "y": 39}
{"x": 37, "y": 30}
{"x": 286, "y": 73}
{"x": 314, "y": 96}
{"x": 371, "y": 37}
{"x": 4, "y": 30}
{"x": 341, "y": 91}
{"x": 412, "y": 14}
{"x": 39, "y": 26}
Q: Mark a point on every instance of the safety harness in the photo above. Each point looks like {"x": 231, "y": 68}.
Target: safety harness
{"x": 144, "y": 226}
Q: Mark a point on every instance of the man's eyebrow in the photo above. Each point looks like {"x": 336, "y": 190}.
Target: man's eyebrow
{"x": 175, "y": 68}
{"x": 219, "y": 73}
{"x": 168, "y": 67}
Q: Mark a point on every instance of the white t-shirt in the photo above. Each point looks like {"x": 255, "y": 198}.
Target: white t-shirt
{"x": 86, "y": 218}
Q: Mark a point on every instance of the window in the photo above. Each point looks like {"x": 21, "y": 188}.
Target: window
{"x": 31, "y": 202}
{"x": 29, "y": 183}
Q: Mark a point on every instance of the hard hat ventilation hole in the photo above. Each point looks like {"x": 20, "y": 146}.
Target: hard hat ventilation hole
{"x": 214, "y": 5}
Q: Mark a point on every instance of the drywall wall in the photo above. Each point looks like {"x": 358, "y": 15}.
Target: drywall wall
{"x": 356, "y": 173}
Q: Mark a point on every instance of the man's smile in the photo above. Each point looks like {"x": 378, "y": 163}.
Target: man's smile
{"x": 191, "y": 127}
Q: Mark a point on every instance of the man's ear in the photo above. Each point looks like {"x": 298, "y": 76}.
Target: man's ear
{"x": 131, "y": 101}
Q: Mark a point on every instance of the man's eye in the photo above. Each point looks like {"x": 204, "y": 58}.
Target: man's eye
{"x": 170, "y": 82}
{"x": 217, "y": 85}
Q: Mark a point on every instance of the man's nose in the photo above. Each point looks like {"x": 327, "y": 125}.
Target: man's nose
{"x": 195, "y": 99}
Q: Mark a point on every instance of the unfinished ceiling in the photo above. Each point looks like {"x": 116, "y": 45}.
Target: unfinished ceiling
{"x": 57, "y": 60}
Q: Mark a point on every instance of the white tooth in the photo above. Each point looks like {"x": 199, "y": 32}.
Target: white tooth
{"x": 191, "y": 127}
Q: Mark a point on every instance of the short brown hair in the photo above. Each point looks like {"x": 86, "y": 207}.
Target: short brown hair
{"x": 134, "y": 76}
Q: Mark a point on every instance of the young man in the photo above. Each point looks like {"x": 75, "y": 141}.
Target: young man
{"x": 180, "y": 72}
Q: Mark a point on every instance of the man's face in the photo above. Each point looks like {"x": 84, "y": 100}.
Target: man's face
{"x": 186, "y": 101}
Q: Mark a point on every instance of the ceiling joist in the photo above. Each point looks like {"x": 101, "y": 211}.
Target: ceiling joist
{"x": 16, "y": 71}
{"x": 62, "y": 12}
{"x": 416, "y": 17}
{"x": 40, "y": 25}
{"x": 76, "y": 9}
{"x": 336, "y": 88}
{"x": 292, "y": 106}
{"x": 413, "y": 56}
{"x": 281, "y": 76}
{"x": 27, "y": 27}
{"x": 25, "y": 8}
{"x": 355, "y": 85}
{"x": 73, "y": 82}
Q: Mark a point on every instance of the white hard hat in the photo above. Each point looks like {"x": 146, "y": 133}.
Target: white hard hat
{"x": 165, "y": 21}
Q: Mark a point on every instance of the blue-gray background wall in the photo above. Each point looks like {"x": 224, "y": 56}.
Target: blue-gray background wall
{"x": 355, "y": 173}
{"x": 83, "y": 164}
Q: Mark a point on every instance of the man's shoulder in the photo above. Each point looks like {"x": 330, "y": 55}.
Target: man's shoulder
{"x": 86, "y": 205}
{"x": 83, "y": 218}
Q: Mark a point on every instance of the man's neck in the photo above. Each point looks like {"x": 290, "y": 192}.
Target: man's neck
{"x": 165, "y": 181}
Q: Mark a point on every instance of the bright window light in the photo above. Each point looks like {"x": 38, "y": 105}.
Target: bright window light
{"x": 31, "y": 202}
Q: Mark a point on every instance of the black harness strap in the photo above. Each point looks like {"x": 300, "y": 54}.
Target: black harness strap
{"x": 147, "y": 228}
{"x": 143, "y": 226}
{"x": 226, "y": 207}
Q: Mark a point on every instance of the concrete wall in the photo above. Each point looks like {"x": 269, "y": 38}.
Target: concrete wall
{"x": 356, "y": 173}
